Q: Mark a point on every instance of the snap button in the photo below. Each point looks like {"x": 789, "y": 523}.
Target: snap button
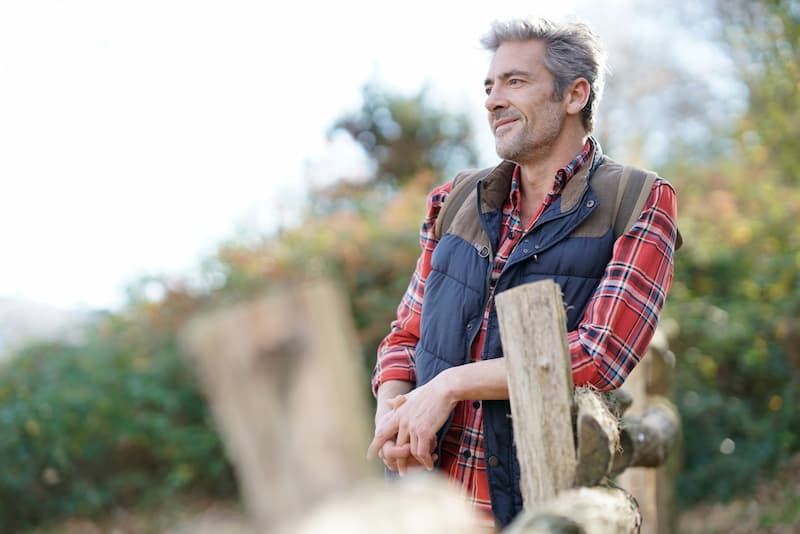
{"x": 493, "y": 461}
{"x": 525, "y": 250}
{"x": 484, "y": 252}
{"x": 590, "y": 203}
{"x": 536, "y": 258}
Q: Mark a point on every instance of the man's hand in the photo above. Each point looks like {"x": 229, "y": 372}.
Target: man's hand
{"x": 414, "y": 420}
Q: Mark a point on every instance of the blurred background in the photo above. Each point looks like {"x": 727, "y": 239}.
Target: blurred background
{"x": 162, "y": 158}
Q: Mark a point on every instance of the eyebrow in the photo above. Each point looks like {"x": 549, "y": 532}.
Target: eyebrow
{"x": 508, "y": 74}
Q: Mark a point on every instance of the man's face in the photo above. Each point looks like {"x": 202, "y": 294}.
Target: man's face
{"x": 523, "y": 116}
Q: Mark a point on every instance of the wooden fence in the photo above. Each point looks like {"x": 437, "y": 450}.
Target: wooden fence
{"x": 285, "y": 383}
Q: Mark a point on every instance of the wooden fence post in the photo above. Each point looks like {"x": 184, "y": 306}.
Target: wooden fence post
{"x": 533, "y": 331}
{"x": 532, "y": 326}
{"x": 283, "y": 376}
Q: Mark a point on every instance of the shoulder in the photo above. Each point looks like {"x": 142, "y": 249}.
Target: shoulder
{"x": 438, "y": 195}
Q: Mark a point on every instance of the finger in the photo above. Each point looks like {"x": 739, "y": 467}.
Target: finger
{"x": 383, "y": 433}
{"x": 391, "y": 453}
{"x": 414, "y": 444}
{"x": 402, "y": 440}
{"x": 422, "y": 453}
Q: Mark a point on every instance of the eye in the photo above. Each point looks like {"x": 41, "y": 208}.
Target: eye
{"x": 514, "y": 81}
{"x": 487, "y": 89}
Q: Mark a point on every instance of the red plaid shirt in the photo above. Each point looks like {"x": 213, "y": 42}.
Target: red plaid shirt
{"x": 616, "y": 328}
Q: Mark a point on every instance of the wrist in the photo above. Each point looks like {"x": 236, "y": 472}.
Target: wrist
{"x": 449, "y": 384}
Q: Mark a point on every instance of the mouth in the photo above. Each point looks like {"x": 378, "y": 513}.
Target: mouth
{"x": 503, "y": 124}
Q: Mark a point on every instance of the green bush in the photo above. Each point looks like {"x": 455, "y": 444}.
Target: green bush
{"x": 117, "y": 420}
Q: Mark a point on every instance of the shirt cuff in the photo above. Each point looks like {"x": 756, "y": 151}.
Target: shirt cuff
{"x": 393, "y": 373}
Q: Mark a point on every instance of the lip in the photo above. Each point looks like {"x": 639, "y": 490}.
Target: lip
{"x": 503, "y": 122}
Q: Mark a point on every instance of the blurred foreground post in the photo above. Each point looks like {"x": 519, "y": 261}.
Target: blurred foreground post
{"x": 283, "y": 377}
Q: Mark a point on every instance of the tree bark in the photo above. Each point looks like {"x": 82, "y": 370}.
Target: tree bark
{"x": 646, "y": 441}
{"x": 598, "y": 437}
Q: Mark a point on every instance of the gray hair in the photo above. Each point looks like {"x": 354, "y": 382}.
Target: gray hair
{"x": 573, "y": 51}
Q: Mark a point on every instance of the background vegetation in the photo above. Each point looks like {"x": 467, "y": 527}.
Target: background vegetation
{"x": 118, "y": 419}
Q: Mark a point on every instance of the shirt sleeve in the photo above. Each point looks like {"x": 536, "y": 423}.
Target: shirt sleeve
{"x": 622, "y": 315}
{"x": 397, "y": 351}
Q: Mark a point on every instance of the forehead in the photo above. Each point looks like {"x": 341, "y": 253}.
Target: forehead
{"x": 511, "y": 56}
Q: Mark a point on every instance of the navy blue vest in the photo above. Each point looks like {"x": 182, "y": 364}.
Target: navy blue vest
{"x": 571, "y": 243}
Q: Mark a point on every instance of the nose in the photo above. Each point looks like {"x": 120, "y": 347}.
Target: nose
{"x": 495, "y": 100}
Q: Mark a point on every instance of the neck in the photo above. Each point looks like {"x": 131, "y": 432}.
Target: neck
{"x": 537, "y": 172}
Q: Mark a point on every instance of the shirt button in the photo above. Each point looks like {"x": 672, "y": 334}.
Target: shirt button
{"x": 493, "y": 461}
{"x": 466, "y": 453}
{"x": 511, "y": 235}
{"x": 476, "y": 404}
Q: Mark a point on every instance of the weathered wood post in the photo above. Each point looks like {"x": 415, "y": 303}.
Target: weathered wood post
{"x": 533, "y": 330}
{"x": 284, "y": 381}
{"x": 532, "y": 326}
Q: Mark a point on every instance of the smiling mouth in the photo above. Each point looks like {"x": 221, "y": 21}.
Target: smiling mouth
{"x": 502, "y": 124}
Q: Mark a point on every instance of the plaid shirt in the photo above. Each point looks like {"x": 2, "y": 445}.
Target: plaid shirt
{"x": 617, "y": 326}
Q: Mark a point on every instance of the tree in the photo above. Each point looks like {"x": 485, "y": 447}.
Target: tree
{"x": 404, "y": 135}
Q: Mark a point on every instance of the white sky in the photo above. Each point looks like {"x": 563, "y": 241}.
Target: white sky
{"x": 135, "y": 136}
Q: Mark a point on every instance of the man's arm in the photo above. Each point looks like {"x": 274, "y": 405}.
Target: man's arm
{"x": 395, "y": 371}
{"x": 622, "y": 315}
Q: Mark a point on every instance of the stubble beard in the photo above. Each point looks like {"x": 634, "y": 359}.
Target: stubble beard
{"x": 530, "y": 144}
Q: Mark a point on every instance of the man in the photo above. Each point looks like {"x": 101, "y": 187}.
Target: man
{"x": 549, "y": 210}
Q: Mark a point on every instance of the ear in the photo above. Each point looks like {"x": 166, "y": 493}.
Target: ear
{"x": 577, "y": 95}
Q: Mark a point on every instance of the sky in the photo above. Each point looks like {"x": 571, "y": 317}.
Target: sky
{"x": 136, "y": 136}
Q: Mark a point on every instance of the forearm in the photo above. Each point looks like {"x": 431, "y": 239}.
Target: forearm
{"x": 483, "y": 380}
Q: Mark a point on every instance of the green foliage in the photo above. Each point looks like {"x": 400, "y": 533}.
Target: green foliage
{"x": 117, "y": 420}
{"x": 736, "y": 296}
{"x": 371, "y": 254}
{"x": 404, "y": 135}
